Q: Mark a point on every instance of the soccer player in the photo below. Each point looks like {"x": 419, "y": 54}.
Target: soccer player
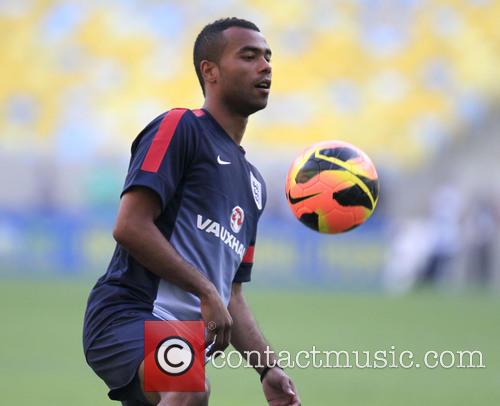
{"x": 186, "y": 227}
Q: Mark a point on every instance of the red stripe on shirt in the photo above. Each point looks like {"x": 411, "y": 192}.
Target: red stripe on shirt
{"x": 248, "y": 258}
{"x": 161, "y": 140}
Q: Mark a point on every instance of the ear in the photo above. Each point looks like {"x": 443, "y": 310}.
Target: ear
{"x": 209, "y": 71}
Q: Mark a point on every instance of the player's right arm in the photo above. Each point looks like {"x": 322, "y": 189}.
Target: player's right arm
{"x": 137, "y": 232}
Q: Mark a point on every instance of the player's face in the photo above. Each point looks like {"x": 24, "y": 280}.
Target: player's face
{"x": 245, "y": 71}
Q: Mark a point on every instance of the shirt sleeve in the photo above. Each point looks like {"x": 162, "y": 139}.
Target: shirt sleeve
{"x": 244, "y": 272}
{"x": 161, "y": 154}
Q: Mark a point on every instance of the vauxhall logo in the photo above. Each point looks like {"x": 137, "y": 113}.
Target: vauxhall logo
{"x": 212, "y": 227}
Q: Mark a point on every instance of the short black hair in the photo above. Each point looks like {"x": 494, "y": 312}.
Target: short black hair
{"x": 209, "y": 43}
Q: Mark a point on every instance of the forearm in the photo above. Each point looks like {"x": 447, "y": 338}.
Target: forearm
{"x": 151, "y": 249}
{"x": 246, "y": 335}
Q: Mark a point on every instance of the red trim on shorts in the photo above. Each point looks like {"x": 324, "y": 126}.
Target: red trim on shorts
{"x": 161, "y": 140}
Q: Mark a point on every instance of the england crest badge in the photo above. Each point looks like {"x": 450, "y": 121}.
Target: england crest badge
{"x": 256, "y": 190}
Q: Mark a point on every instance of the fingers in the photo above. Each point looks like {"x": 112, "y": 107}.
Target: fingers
{"x": 280, "y": 389}
{"x": 286, "y": 386}
{"x": 219, "y": 322}
{"x": 295, "y": 399}
{"x": 227, "y": 338}
{"x": 219, "y": 342}
{"x": 286, "y": 402}
{"x": 218, "y": 345}
{"x": 222, "y": 338}
{"x": 289, "y": 388}
{"x": 210, "y": 338}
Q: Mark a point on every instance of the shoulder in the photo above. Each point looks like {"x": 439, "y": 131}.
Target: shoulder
{"x": 179, "y": 117}
{"x": 190, "y": 117}
{"x": 174, "y": 121}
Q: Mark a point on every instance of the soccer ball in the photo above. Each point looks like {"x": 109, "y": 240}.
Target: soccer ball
{"x": 332, "y": 187}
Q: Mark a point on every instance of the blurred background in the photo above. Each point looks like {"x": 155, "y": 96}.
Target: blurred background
{"x": 414, "y": 83}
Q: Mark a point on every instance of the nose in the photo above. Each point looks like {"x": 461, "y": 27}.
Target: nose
{"x": 265, "y": 66}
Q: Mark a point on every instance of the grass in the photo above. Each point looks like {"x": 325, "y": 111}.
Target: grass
{"x": 41, "y": 360}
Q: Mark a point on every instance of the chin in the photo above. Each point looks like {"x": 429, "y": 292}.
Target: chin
{"x": 245, "y": 106}
{"x": 255, "y": 106}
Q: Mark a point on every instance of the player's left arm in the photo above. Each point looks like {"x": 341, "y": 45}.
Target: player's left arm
{"x": 247, "y": 338}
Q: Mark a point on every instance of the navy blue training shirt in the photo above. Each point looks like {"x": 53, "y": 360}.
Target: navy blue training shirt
{"x": 212, "y": 199}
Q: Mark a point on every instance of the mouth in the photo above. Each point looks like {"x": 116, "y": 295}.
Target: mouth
{"x": 264, "y": 85}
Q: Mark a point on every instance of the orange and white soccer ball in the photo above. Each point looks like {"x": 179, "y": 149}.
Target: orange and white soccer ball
{"x": 332, "y": 187}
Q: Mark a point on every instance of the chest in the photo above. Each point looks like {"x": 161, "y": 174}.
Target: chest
{"x": 221, "y": 169}
{"x": 222, "y": 186}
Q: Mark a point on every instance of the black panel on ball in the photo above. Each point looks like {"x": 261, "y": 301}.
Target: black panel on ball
{"x": 329, "y": 166}
{"x": 353, "y": 196}
{"x": 310, "y": 220}
{"x": 342, "y": 153}
{"x": 372, "y": 185}
{"x": 313, "y": 167}
{"x": 308, "y": 171}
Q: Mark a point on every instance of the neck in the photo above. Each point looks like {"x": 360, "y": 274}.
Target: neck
{"x": 233, "y": 123}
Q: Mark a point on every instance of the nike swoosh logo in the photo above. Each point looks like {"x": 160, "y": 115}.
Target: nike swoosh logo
{"x": 295, "y": 200}
{"x": 221, "y": 162}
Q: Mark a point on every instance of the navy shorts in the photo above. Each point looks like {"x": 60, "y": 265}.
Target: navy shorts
{"x": 115, "y": 355}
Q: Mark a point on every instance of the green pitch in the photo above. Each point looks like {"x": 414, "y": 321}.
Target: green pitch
{"x": 41, "y": 360}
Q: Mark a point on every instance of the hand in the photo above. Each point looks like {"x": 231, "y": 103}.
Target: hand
{"x": 217, "y": 319}
{"x": 279, "y": 389}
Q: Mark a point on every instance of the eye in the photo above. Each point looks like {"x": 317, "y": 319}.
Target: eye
{"x": 248, "y": 57}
